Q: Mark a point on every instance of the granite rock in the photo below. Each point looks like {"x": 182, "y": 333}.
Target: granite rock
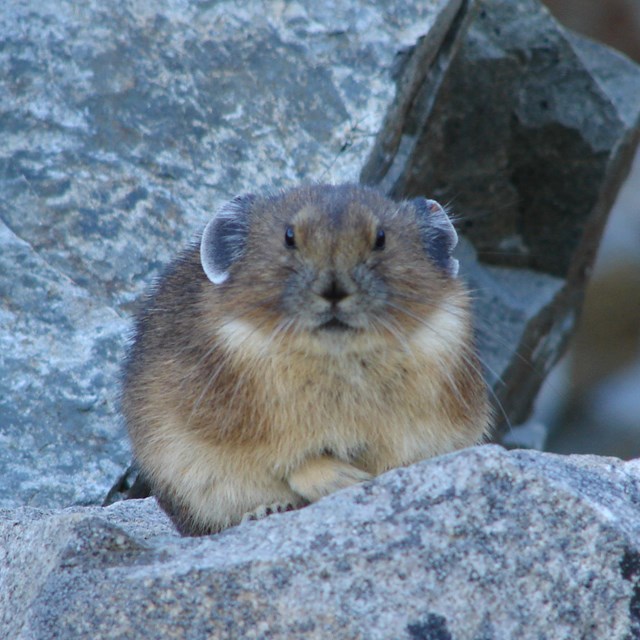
{"x": 529, "y": 132}
{"x": 59, "y": 349}
{"x": 482, "y": 543}
{"x": 125, "y": 125}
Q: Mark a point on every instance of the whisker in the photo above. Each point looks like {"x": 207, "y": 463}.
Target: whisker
{"x": 397, "y": 333}
{"x": 468, "y": 361}
{"x": 479, "y": 327}
{"x": 263, "y": 303}
{"x": 205, "y": 390}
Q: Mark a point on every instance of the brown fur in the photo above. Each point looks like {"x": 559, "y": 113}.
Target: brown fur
{"x": 235, "y": 398}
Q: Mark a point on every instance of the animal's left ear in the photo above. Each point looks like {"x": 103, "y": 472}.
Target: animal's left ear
{"x": 225, "y": 237}
{"x": 439, "y": 238}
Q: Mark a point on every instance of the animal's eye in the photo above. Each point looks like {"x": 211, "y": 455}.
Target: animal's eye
{"x": 380, "y": 240}
{"x": 290, "y": 237}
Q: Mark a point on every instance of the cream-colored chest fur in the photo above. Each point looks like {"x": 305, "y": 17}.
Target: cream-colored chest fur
{"x": 379, "y": 408}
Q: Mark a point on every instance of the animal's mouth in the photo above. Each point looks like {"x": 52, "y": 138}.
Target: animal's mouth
{"x": 335, "y": 325}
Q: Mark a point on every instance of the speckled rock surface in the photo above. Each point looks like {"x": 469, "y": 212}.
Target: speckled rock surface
{"x": 483, "y": 543}
{"x": 529, "y": 133}
{"x": 124, "y": 125}
{"x": 58, "y": 358}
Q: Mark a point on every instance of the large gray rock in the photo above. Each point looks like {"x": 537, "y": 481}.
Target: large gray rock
{"x": 483, "y": 543}
{"x": 529, "y": 132}
{"x": 124, "y": 125}
{"x": 58, "y": 360}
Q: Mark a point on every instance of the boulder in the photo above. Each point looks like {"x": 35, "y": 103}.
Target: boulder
{"x": 529, "y": 132}
{"x": 59, "y": 350}
{"x": 482, "y": 543}
{"x": 124, "y": 126}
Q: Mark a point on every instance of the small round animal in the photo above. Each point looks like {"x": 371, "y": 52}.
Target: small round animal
{"x": 315, "y": 338}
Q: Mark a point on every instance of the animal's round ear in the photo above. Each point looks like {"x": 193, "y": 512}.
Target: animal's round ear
{"x": 439, "y": 238}
{"x": 225, "y": 237}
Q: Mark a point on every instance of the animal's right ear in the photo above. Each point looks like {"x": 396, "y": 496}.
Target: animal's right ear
{"x": 225, "y": 238}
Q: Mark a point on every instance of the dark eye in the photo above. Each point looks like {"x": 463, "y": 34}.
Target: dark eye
{"x": 380, "y": 240}
{"x": 289, "y": 237}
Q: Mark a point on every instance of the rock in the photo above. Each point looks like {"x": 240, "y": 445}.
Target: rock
{"x": 529, "y": 132}
{"x": 58, "y": 358}
{"x": 482, "y": 543}
{"x": 530, "y": 435}
{"x": 593, "y": 397}
{"x": 125, "y": 126}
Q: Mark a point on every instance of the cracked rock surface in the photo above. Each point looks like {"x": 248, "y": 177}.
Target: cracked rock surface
{"x": 123, "y": 129}
{"x": 123, "y": 126}
{"x": 482, "y": 543}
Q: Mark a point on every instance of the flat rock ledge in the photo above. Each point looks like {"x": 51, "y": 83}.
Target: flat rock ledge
{"x": 480, "y": 544}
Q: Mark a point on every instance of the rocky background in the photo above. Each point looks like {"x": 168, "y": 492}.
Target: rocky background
{"x": 123, "y": 126}
{"x": 592, "y": 400}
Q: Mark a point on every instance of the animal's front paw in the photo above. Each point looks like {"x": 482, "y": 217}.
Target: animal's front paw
{"x": 265, "y": 510}
{"x": 321, "y": 476}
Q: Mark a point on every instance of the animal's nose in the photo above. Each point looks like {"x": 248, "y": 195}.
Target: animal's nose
{"x": 334, "y": 291}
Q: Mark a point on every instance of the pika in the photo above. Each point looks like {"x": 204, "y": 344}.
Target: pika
{"x": 313, "y": 339}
